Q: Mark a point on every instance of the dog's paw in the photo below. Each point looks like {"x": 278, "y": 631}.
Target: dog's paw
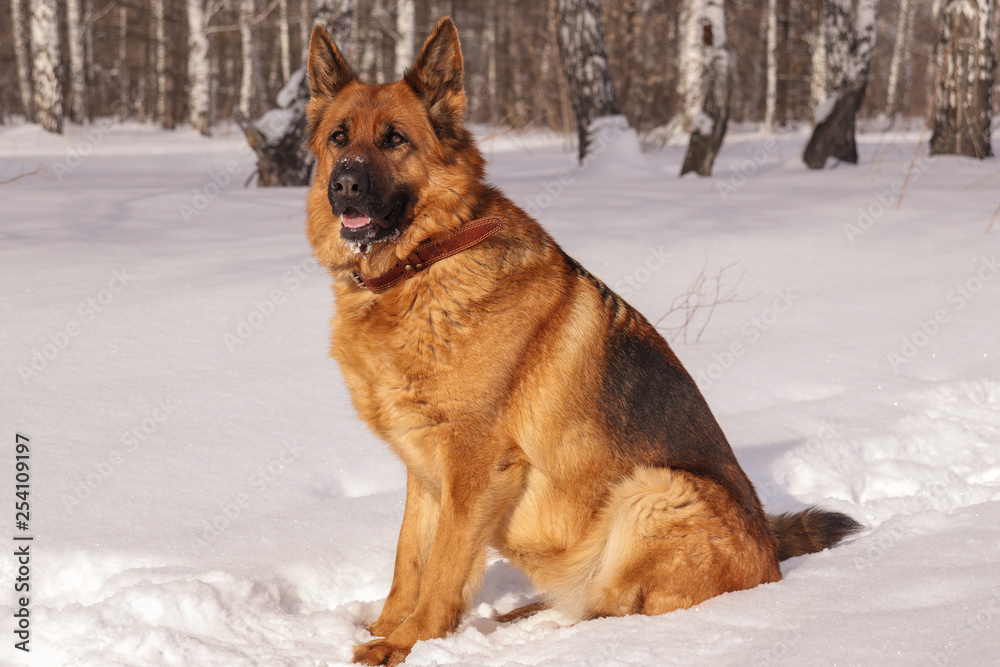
{"x": 380, "y": 652}
{"x": 382, "y": 628}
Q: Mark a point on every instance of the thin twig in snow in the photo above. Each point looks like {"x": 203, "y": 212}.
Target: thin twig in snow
{"x": 700, "y": 300}
{"x": 993, "y": 219}
{"x": 41, "y": 169}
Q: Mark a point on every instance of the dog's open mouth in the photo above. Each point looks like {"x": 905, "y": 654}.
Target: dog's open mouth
{"x": 359, "y": 227}
{"x": 354, "y": 219}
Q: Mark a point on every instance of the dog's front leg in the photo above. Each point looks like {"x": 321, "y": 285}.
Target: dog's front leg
{"x": 415, "y": 538}
{"x": 475, "y": 498}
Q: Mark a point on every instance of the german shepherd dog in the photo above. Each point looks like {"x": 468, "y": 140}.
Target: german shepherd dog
{"x": 536, "y": 412}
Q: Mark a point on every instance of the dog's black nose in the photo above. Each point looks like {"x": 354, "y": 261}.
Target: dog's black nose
{"x": 349, "y": 183}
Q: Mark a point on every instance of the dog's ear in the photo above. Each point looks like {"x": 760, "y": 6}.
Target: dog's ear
{"x": 328, "y": 70}
{"x": 436, "y": 77}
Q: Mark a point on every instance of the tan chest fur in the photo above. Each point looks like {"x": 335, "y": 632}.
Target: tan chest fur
{"x": 391, "y": 355}
{"x": 415, "y": 370}
{"x": 420, "y": 377}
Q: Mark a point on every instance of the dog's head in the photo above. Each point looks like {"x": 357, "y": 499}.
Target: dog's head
{"x": 395, "y": 164}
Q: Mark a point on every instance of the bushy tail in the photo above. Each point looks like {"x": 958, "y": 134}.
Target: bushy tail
{"x": 810, "y": 531}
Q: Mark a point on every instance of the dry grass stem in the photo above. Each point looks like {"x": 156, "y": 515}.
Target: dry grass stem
{"x": 698, "y": 303}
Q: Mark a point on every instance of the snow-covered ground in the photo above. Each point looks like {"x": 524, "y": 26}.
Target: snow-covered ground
{"x": 202, "y": 493}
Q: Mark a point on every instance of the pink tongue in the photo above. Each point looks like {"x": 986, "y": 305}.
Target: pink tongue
{"x": 354, "y": 220}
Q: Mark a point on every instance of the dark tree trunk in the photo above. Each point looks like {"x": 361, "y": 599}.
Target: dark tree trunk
{"x": 709, "y": 123}
{"x": 705, "y": 142}
{"x": 279, "y": 138}
{"x": 338, "y": 17}
{"x": 585, "y": 61}
{"x": 849, "y": 47}
{"x": 966, "y": 67}
{"x": 834, "y": 135}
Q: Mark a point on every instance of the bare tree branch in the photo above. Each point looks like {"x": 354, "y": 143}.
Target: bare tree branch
{"x": 41, "y": 170}
{"x": 700, "y": 300}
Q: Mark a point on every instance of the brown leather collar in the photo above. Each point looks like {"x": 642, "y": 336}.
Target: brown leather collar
{"x": 429, "y": 252}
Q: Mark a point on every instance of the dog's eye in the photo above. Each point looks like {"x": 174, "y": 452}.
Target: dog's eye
{"x": 395, "y": 139}
{"x": 339, "y": 137}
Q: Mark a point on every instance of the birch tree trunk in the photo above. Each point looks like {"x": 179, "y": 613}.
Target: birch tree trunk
{"x": 323, "y": 14}
{"x": 384, "y": 58}
{"x": 996, "y": 82}
{"x": 585, "y": 62}
{"x": 22, "y": 47}
{"x": 88, "y": 54}
{"x": 163, "y": 112}
{"x": 965, "y": 70}
{"x": 342, "y": 26}
{"x": 284, "y": 40}
{"x": 406, "y": 35}
{"x": 247, "y": 57}
{"x": 305, "y": 26}
{"x": 337, "y": 16}
{"x": 198, "y": 67}
{"x": 849, "y": 47}
{"x": 710, "y": 98}
{"x": 278, "y": 137}
{"x": 77, "y": 69}
{"x": 771, "y": 96}
{"x": 490, "y": 55}
{"x": 904, "y": 25}
{"x": 690, "y": 68}
{"x": 819, "y": 90}
{"x": 369, "y": 42}
{"x": 47, "y": 94}
{"x": 441, "y": 8}
{"x": 122, "y": 64}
